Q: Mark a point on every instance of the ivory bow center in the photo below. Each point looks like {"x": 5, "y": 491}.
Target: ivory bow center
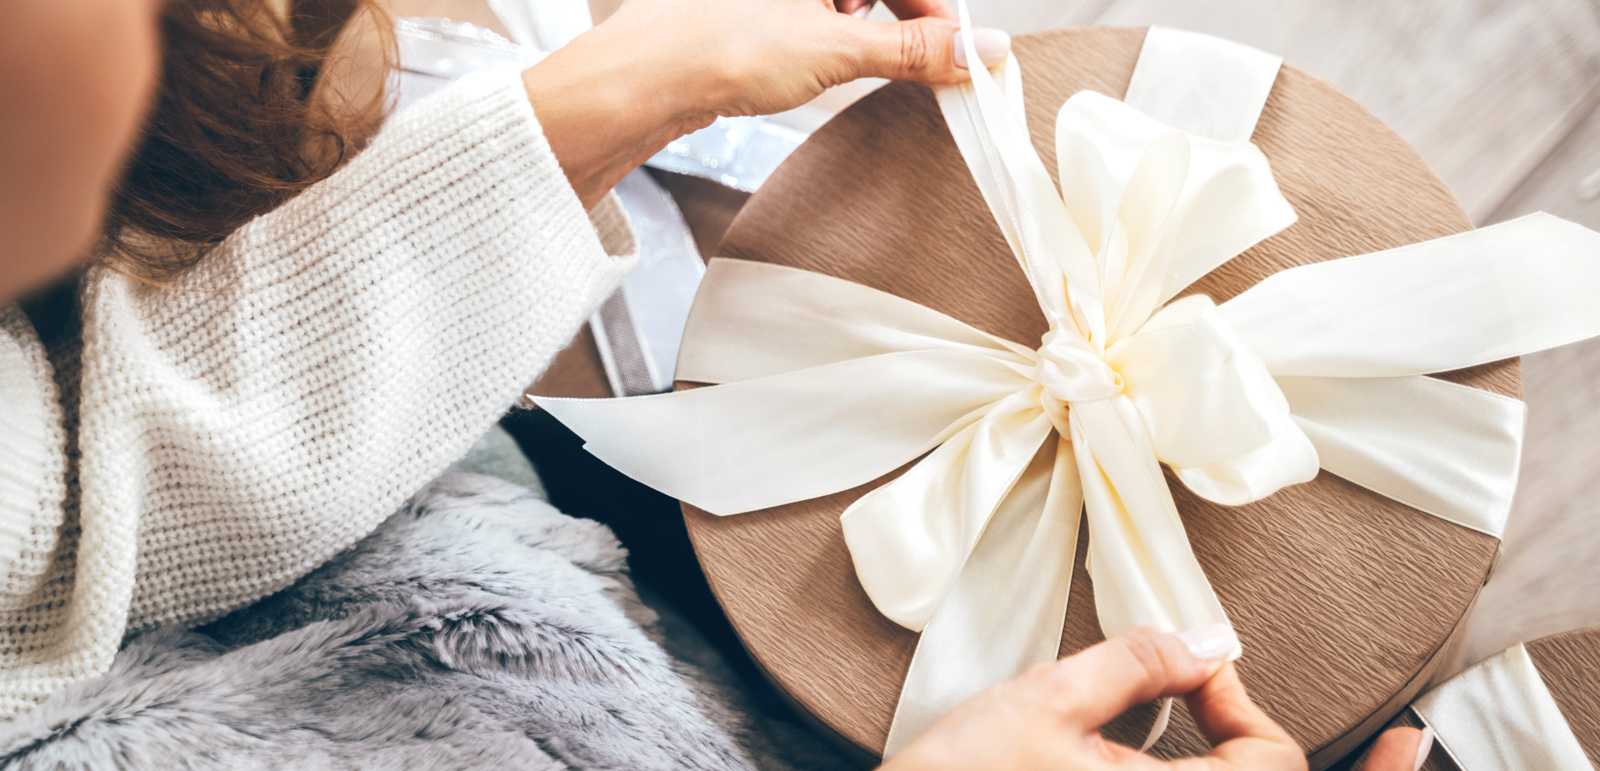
{"x": 1072, "y": 370}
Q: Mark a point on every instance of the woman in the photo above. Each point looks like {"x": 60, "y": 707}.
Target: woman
{"x": 236, "y": 351}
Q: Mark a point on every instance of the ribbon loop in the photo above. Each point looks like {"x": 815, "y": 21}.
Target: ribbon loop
{"x": 920, "y": 528}
{"x": 1204, "y": 397}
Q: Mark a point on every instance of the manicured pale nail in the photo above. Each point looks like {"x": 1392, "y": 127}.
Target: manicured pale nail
{"x": 992, "y": 45}
{"x": 864, "y": 10}
{"x": 1424, "y": 747}
{"x": 1212, "y": 642}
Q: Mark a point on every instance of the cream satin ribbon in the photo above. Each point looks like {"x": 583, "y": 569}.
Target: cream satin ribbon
{"x": 1499, "y": 716}
{"x": 827, "y": 385}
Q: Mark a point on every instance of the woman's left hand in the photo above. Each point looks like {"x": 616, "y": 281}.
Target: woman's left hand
{"x": 658, "y": 69}
{"x": 1049, "y": 718}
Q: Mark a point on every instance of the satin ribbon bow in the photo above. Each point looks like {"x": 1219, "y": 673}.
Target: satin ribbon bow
{"x": 827, "y": 385}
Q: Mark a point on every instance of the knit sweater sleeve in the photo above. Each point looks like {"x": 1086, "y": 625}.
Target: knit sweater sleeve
{"x": 333, "y": 356}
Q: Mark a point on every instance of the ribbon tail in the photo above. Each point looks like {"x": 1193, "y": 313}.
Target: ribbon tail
{"x": 761, "y": 443}
{"x": 753, "y": 319}
{"x": 1005, "y": 612}
{"x": 1145, "y": 572}
{"x": 1493, "y": 293}
{"x": 1203, "y": 85}
{"x": 1445, "y": 449}
{"x": 1499, "y": 716}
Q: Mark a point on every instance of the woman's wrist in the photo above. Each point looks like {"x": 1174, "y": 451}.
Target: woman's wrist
{"x": 605, "y": 107}
{"x": 658, "y": 69}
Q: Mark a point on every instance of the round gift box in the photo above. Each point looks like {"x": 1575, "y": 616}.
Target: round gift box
{"x": 1569, "y": 665}
{"x": 1342, "y": 598}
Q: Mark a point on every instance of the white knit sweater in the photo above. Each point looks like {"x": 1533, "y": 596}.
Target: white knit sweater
{"x": 210, "y": 443}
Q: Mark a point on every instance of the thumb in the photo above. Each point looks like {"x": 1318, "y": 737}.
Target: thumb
{"x": 1139, "y": 665}
{"x": 1241, "y": 735}
{"x": 929, "y": 49}
{"x": 1400, "y": 749}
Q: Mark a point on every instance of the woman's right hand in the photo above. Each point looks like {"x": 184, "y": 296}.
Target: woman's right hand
{"x": 658, "y": 69}
{"x": 1049, "y": 718}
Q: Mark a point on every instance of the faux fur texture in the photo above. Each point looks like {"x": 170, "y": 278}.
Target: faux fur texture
{"x": 477, "y": 628}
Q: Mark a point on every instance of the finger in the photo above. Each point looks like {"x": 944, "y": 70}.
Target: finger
{"x": 921, "y": 49}
{"x": 1125, "y": 758}
{"x": 1134, "y": 667}
{"x": 855, "y": 8}
{"x": 1400, "y": 749}
{"x": 916, "y": 9}
{"x": 1241, "y": 735}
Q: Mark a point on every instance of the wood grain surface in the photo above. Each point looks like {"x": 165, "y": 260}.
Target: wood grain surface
{"x": 1342, "y": 597}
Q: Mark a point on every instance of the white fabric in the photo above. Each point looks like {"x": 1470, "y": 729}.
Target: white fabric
{"x": 637, "y": 330}
{"x": 1518, "y": 287}
{"x": 1221, "y": 99}
{"x": 324, "y": 363}
{"x": 1499, "y": 716}
{"x": 543, "y": 24}
{"x": 33, "y": 455}
{"x": 1008, "y": 609}
{"x": 829, "y": 384}
{"x": 1385, "y": 434}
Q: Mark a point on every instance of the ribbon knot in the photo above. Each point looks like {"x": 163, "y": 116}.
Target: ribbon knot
{"x": 1071, "y": 370}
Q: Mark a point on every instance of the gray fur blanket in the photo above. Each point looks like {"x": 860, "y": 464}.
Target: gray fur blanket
{"x": 477, "y": 628}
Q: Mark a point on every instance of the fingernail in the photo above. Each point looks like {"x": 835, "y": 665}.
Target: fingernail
{"x": 1424, "y": 747}
{"x": 864, "y": 10}
{"x": 992, "y": 44}
{"x": 1212, "y": 642}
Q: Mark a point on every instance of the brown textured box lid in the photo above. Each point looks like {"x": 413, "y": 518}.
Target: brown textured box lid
{"x": 1342, "y": 597}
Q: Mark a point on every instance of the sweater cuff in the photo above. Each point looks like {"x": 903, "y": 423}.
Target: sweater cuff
{"x": 503, "y": 93}
{"x": 611, "y": 223}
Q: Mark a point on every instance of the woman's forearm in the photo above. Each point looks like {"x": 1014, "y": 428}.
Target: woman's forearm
{"x": 658, "y": 69}
{"x": 606, "y": 108}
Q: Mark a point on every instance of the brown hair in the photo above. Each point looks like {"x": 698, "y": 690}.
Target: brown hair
{"x": 234, "y": 131}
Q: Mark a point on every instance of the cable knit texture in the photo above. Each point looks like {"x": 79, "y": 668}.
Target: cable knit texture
{"x": 332, "y": 357}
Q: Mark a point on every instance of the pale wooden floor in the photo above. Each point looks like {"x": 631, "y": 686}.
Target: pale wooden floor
{"x": 1502, "y": 97}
